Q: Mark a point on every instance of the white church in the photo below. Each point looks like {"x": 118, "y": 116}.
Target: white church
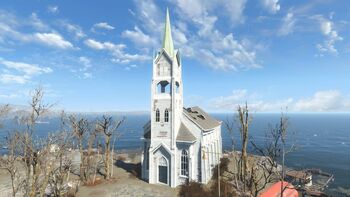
{"x": 180, "y": 144}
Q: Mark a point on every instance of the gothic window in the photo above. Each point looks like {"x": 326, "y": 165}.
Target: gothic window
{"x": 162, "y": 161}
{"x": 177, "y": 87}
{"x": 164, "y": 67}
{"x": 157, "y": 115}
{"x": 166, "y": 116}
{"x": 184, "y": 163}
{"x": 158, "y": 69}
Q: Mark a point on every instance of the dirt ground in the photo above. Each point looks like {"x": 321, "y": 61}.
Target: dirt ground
{"x": 125, "y": 183}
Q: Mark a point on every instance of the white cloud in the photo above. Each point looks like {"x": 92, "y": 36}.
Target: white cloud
{"x": 138, "y": 37}
{"x": 149, "y": 14}
{"x": 288, "y": 23}
{"x": 103, "y": 25}
{"x": 76, "y": 30}
{"x": 87, "y": 75}
{"x": 53, "y": 39}
{"x": 240, "y": 97}
{"x": 202, "y": 11}
{"x": 9, "y": 30}
{"x": 28, "y": 69}
{"x": 117, "y": 51}
{"x": 197, "y": 12}
{"x": 326, "y": 27}
{"x": 103, "y": 45}
{"x": 321, "y": 101}
{"x": 204, "y": 43}
{"x": 86, "y": 63}
{"x": 132, "y": 66}
{"x": 84, "y": 60}
{"x": 328, "y": 30}
{"x": 53, "y": 9}
{"x": 20, "y": 72}
{"x": 224, "y": 52}
{"x": 94, "y": 44}
{"x": 272, "y": 6}
{"x": 329, "y": 100}
{"x": 9, "y": 78}
{"x": 37, "y": 23}
{"x": 235, "y": 9}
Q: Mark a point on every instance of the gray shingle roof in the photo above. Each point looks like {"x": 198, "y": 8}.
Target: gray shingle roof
{"x": 147, "y": 135}
{"x": 184, "y": 134}
{"x": 147, "y": 130}
{"x": 201, "y": 118}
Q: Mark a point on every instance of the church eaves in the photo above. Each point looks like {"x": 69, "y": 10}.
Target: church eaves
{"x": 167, "y": 40}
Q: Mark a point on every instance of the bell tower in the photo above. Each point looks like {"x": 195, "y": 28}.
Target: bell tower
{"x": 166, "y": 91}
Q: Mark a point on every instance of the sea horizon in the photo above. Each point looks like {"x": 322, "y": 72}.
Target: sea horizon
{"x": 319, "y": 139}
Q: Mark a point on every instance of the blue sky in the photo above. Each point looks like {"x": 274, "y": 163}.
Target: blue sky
{"x": 97, "y": 55}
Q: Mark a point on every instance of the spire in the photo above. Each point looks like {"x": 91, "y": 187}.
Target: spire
{"x": 167, "y": 40}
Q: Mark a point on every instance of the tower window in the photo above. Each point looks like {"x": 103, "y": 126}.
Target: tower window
{"x": 166, "y": 116}
{"x": 163, "y": 87}
{"x": 184, "y": 163}
{"x": 158, "y": 69}
{"x": 177, "y": 87}
{"x": 157, "y": 115}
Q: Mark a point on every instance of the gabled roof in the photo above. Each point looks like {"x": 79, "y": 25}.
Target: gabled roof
{"x": 147, "y": 130}
{"x": 147, "y": 135}
{"x": 201, "y": 118}
{"x": 161, "y": 52}
{"x": 168, "y": 44}
{"x": 184, "y": 134}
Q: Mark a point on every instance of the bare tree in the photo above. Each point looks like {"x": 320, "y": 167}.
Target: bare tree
{"x": 60, "y": 153}
{"x": 30, "y": 146}
{"x": 244, "y": 121}
{"x": 80, "y": 128}
{"x": 37, "y": 166}
{"x": 273, "y": 149}
{"x": 254, "y": 173}
{"x": 107, "y": 126}
{"x": 9, "y": 162}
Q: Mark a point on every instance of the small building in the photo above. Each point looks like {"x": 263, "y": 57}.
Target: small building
{"x": 302, "y": 178}
{"x": 180, "y": 144}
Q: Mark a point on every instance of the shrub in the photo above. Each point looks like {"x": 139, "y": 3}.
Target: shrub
{"x": 193, "y": 189}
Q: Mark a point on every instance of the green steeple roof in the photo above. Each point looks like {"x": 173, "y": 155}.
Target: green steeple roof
{"x": 167, "y": 40}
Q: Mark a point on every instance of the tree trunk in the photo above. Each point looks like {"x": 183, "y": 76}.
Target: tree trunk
{"x": 108, "y": 174}
{"x": 81, "y": 160}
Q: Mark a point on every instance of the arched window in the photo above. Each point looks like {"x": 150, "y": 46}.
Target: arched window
{"x": 184, "y": 163}
{"x": 158, "y": 69}
{"x": 157, "y": 115}
{"x": 166, "y": 116}
{"x": 177, "y": 87}
{"x": 162, "y": 161}
{"x": 163, "y": 87}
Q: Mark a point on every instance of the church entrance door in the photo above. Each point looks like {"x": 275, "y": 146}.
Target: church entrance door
{"x": 163, "y": 171}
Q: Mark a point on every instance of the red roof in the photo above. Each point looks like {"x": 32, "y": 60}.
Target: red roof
{"x": 275, "y": 190}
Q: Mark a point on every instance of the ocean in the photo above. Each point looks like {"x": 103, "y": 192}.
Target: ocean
{"x": 322, "y": 140}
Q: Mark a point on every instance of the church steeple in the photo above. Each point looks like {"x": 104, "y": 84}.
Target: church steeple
{"x": 167, "y": 39}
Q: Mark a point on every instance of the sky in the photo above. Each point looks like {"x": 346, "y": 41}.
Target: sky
{"x": 95, "y": 56}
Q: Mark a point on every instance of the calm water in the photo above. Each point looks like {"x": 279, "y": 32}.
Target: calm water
{"x": 323, "y": 140}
